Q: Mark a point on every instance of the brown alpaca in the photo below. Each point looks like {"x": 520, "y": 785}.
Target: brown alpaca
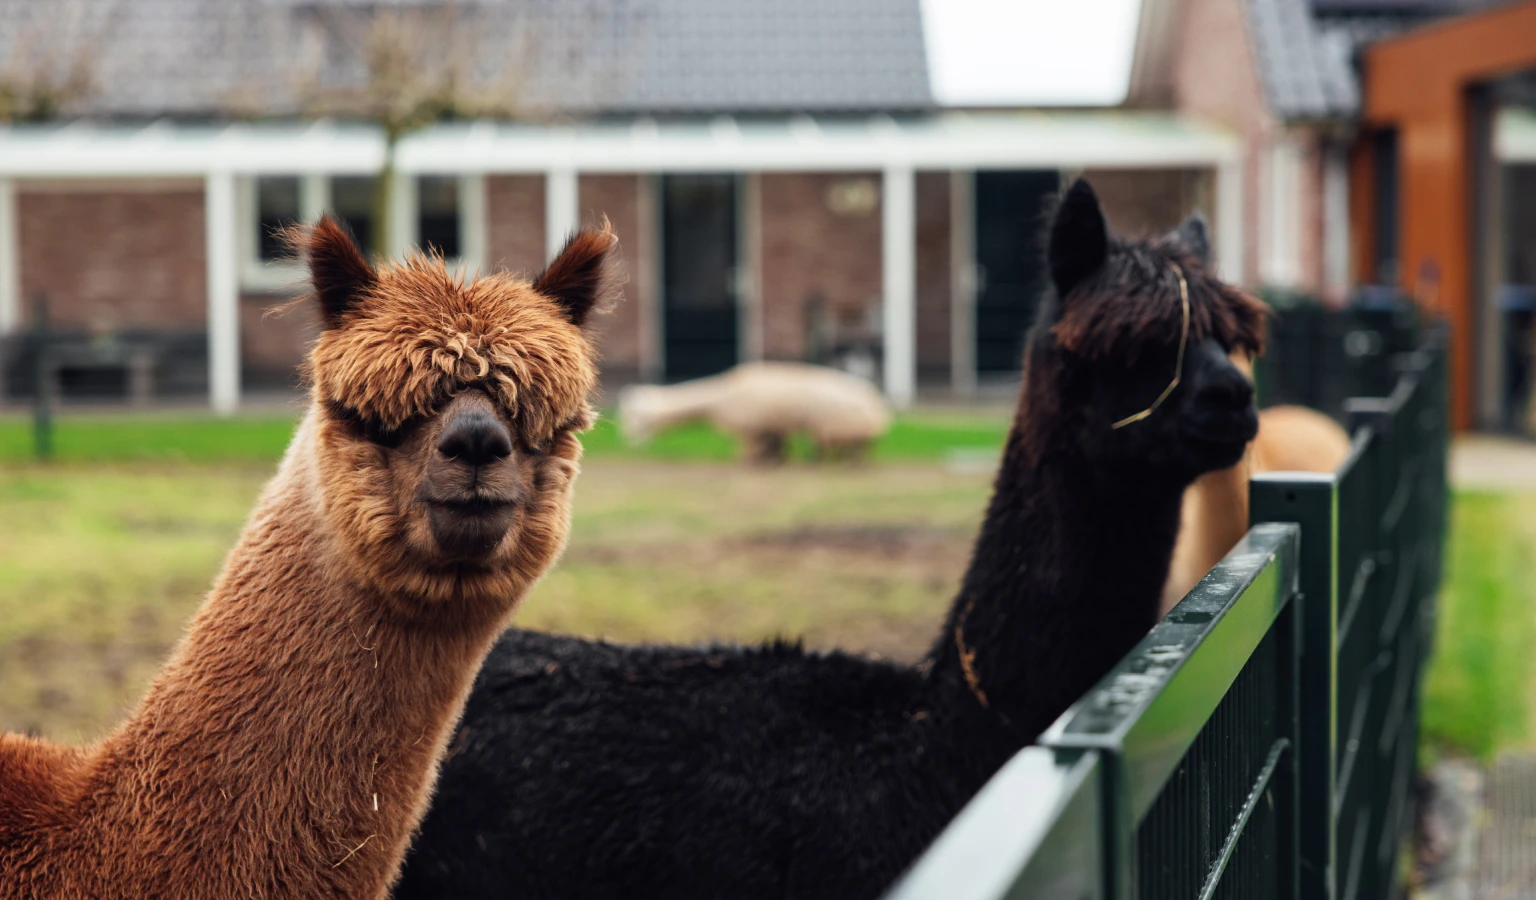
{"x": 289, "y": 746}
{"x": 1214, "y": 516}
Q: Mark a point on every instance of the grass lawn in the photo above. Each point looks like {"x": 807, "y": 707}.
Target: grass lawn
{"x": 1480, "y": 690}
{"x": 105, "y": 554}
{"x": 198, "y": 438}
{"x": 102, "y": 565}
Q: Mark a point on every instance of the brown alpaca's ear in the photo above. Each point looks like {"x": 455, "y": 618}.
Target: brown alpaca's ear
{"x": 1079, "y": 238}
{"x": 586, "y": 275}
{"x": 338, "y": 271}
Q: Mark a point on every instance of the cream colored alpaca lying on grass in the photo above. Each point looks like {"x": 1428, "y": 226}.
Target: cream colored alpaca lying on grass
{"x": 763, "y": 404}
{"x": 1215, "y": 512}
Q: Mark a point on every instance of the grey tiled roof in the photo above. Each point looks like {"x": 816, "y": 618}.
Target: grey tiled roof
{"x": 1306, "y": 74}
{"x": 1309, "y": 50}
{"x": 143, "y": 57}
{"x": 214, "y": 58}
{"x": 695, "y": 55}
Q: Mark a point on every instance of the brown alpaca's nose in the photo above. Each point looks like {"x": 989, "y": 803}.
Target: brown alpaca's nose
{"x": 475, "y": 439}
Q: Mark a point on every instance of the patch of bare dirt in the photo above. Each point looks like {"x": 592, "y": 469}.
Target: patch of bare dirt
{"x": 72, "y": 690}
{"x": 886, "y": 541}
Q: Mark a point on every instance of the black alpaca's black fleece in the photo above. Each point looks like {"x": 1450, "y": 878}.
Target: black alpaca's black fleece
{"x": 591, "y": 770}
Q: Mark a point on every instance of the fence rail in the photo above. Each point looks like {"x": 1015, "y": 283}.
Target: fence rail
{"x": 1259, "y": 742}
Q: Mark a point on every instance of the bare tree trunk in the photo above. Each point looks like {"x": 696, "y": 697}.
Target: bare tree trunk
{"x": 383, "y": 197}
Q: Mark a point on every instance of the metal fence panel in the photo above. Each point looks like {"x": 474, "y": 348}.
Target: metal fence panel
{"x": 1310, "y": 501}
{"x": 1260, "y": 741}
{"x": 1031, "y": 833}
{"x": 1208, "y": 677}
{"x": 1116, "y": 776}
{"x": 1370, "y": 569}
{"x": 1223, "y": 826}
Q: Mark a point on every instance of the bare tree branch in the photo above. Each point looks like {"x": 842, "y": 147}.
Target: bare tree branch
{"x": 51, "y": 68}
{"x": 405, "y": 67}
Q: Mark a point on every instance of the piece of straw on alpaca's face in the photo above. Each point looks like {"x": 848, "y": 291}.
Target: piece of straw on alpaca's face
{"x": 447, "y": 411}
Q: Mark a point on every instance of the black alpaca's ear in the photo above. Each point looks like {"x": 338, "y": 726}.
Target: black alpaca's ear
{"x": 1079, "y": 238}
{"x": 1196, "y": 238}
{"x": 585, "y": 276}
{"x": 339, "y": 272}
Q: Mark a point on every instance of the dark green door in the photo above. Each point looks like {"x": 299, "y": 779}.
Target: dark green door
{"x": 699, "y": 258}
{"x": 1010, "y": 263}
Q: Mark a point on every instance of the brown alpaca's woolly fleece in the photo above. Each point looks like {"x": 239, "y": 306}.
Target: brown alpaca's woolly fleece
{"x": 289, "y": 746}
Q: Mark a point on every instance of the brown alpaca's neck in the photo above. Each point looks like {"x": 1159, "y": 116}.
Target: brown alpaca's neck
{"x": 288, "y": 747}
{"x": 1213, "y": 519}
{"x": 1064, "y": 579}
{"x": 1220, "y": 504}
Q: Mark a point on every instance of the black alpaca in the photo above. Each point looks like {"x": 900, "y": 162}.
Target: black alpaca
{"x": 590, "y": 770}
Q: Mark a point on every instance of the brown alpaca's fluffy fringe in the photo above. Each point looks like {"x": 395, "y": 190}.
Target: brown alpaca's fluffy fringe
{"x": 414, "y": 333}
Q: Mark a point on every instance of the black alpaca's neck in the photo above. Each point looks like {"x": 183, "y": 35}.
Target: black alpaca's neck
{"x": 1065, "y": 578}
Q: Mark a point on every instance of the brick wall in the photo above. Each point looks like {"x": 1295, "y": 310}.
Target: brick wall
{"x": 133, "y": 256}
{"x": 933, "y": 276}
{"x": 1216, "y": 77}
{"x": 275, "y": 335}
{"x": 514, "y": 222}
{"x": 618, "y": 332}
{"x": 808, "y": 251}
{"x": 114, "y": 256}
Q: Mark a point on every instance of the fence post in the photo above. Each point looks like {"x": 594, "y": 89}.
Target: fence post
{"x": 1117, "y": 830}
{"x": 1311, "y": 501}
{"x": 1287, "y": 781}
{"x": 42, "y": 399}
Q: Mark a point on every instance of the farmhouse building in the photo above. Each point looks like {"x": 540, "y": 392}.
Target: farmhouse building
{"x": 858, "y": 183}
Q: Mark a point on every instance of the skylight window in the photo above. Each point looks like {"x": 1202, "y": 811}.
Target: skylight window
{"x": 1030, "y": 52}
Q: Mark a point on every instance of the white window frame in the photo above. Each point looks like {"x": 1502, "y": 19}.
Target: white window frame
{"x": 1336, "y": 236}
{"x": 1280, "y": 259}
{"x": 265, "y": 276}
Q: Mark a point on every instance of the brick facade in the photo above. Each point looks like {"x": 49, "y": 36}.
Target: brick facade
{"x": 114, "y": 257}
{"x": 134, "y": 256}
{"x": 1216, "y": 77}
{"x": 933, "y": 277}
{"x": 811, "y": 252}
{"x": 618, "y": 333}
{"x": 275, "y": 335}
{"x": 514, "y": 222}
{"x": 1312, "y": 242}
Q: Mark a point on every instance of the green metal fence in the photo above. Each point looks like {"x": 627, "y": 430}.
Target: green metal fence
{"x": 1259, "y": 742}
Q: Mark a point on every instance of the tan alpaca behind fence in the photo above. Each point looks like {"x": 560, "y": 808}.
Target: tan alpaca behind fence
{"x": 289, "y": 746}
{"x": 1215, "y": 511}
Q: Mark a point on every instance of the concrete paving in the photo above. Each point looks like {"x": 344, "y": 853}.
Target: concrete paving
{"x": 1491, "y": 462}
{"x": 1507, "y": 857}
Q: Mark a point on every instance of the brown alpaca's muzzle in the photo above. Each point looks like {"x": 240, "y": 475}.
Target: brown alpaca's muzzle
{"x": 475, "y": 481}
